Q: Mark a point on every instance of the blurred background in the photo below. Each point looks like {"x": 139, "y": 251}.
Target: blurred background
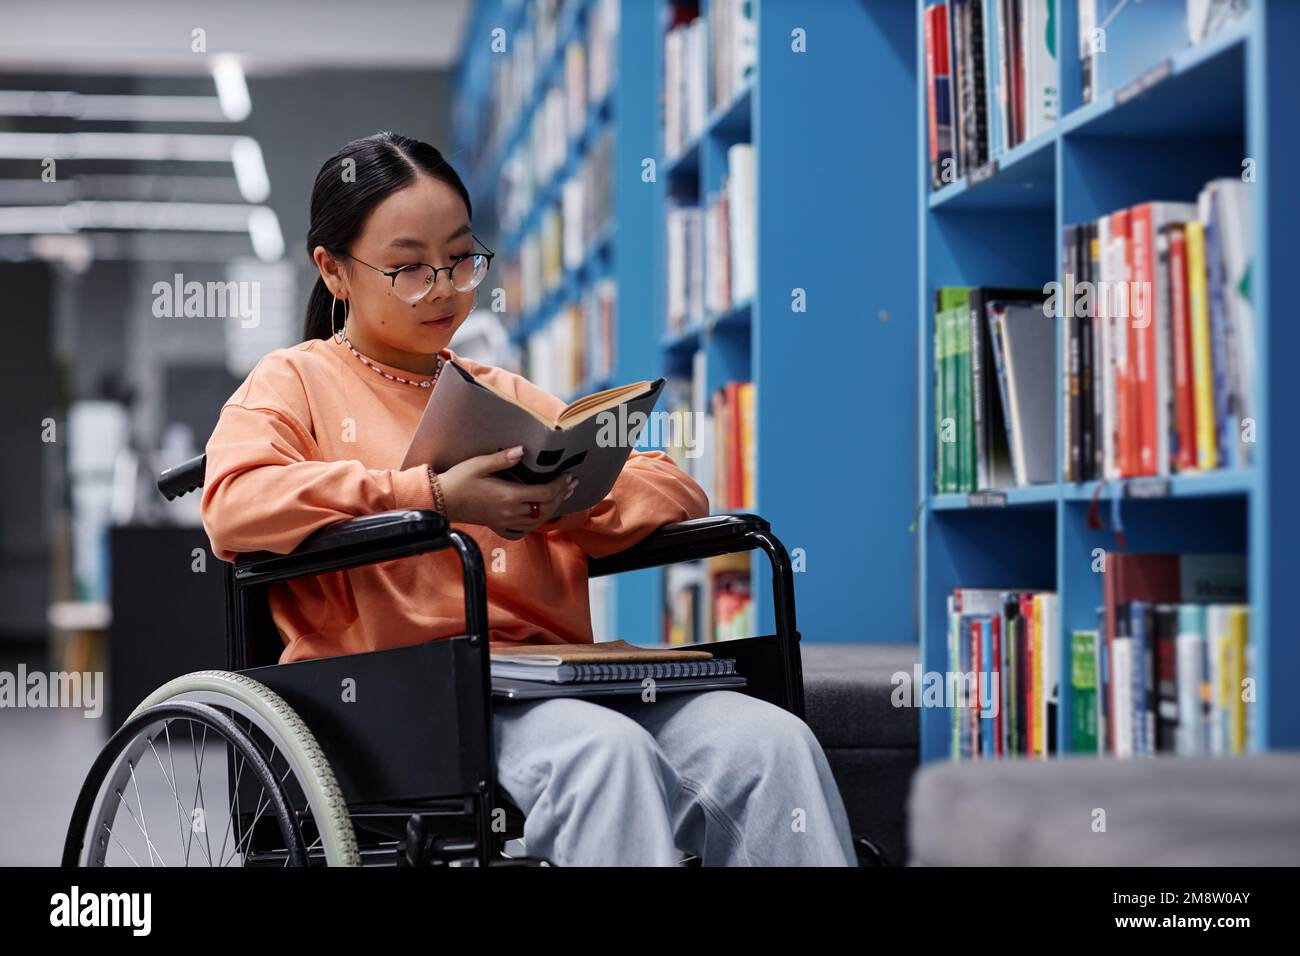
{"x": 147, "y": 143}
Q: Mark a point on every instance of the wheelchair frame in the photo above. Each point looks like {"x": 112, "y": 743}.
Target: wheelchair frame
{"x": 441, "y": 770}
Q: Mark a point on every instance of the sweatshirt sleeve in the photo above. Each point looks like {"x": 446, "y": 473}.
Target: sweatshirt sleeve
{"x": 652, "y": 490}
{"x": 266, "y": 487}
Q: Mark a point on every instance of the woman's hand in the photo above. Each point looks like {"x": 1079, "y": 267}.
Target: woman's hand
{"x": 472, "y": 496}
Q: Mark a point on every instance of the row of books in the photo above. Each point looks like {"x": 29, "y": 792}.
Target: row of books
{"x": 1095, "y": 17}
{"x": 686, "y": 64}
{"x": 1002, "y": 662}
{"x": 734, "y": 36}
{"x": 519, "y": 58}
{"x": 587, "y": 201}
{"x": 991, "y": 80}
{"x": 1167, "y": 670}
{"x": 684, "y": 257}
{"x": 711, "y": 253}
{"x": 1171, "y": 657}
{"x": 732, "y": 410}
{"x": 1176, "y": 681}
{"x": 575, "y": 349}
{"x": 994, "y": 412}
{"x": 707, "y": 62}
{"x": 535, "y": 270}
{"x": 1159, "y": 344}
{"x": 716, "y": 447}
{"x": 553, "y": 133}
{"x": 708, "y": 600}
{"x": 565, "y": 233}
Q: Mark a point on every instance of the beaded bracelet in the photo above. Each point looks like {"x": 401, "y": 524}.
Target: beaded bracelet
{"x": 439, "y": 503}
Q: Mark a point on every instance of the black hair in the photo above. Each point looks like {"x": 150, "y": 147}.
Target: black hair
{"x": 344, "y": 194}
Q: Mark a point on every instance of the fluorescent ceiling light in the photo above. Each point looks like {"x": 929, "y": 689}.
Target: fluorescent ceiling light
{"x": 232, "y": 89}
{"x": 250, "y": 170}
{"x": 242, "y": 152}
{"x": 184, "y": 147}
{"x": 260, "y": 222}
{"x": 145, "y": 108}
{"x": 264, "y": 232}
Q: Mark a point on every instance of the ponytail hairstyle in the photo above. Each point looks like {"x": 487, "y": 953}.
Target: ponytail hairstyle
{"x": 381, "y": 164}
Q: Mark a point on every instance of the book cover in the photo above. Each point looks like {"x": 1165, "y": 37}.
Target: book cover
{"x": 1010, "y": 623}
{"x": 1083, "y": 692}
{"x": 1070, "y": 355}
{"x": 1166, "y": 677}
{"x": 992, "y": 454}
{"x": 1126, "y": 436}
{"x": 1220, "y": 341}
{"x": 1087, "y": 350}
{"x": 1027, "y": 339}
{"x": 1184, "y": 416}
{"x": 1189, "y": 678}
{"x": 1203, "y": 385}
{"x": 1233, "y": 214}
{"x": 1235, "y": 665}
{"x": 591, "y": 438}
{"x": 939, "y": 94}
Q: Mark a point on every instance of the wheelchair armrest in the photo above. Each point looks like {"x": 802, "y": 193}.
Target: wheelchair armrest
{"x": 684, "y": 541}
{"x": 183, "y": 478}
{"x": 364, "y": 540}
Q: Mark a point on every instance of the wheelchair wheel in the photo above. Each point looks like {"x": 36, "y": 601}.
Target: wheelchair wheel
{"x": 212, "y": 769}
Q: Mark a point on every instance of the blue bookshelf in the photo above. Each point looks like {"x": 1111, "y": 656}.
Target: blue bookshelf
{"x": 832, "y": 222}
{"x": 1168, "y": 117}
{"x": 618, "y": 252}
{"x": 834, "y": 218}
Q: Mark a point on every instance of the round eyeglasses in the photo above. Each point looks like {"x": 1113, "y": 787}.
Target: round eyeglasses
{"x": 412, "y": 283}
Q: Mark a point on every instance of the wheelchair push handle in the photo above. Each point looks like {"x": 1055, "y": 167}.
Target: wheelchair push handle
{"x": 183, "y": 478}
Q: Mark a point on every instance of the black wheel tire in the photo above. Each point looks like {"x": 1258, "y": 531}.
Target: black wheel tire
{"x": 129, "y": 732}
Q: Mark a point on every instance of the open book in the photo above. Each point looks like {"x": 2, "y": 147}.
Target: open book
{"x": 592, "y": 437}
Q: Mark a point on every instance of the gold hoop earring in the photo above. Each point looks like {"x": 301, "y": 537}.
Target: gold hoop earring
{"x": 340, "y": 335}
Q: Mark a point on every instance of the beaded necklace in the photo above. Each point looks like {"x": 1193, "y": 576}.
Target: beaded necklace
{"x": 422, "y": 383}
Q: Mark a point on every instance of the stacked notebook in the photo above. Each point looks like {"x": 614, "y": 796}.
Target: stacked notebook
{"x": 522, "y": 672}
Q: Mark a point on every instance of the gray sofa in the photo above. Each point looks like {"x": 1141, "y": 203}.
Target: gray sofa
{"x": 872, "y": 747}
{"x": 1157, "y": 811}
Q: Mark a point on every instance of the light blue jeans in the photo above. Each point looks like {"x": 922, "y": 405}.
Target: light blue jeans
{"x": 731, "y": 778}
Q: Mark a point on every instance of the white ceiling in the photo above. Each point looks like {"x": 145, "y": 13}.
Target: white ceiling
{"x": 270, "y": 36}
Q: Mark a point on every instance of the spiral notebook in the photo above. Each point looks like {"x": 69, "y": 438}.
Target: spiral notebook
{"x": 611, "y": 667}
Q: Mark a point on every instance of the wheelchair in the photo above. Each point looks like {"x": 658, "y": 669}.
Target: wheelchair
{"x": 380, "y": 758}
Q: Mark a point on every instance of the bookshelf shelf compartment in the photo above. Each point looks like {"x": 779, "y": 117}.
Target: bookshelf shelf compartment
{"x": 1211, "y": 484}
{"x": 1035, "y": 496}
{"x": 1195, "y": 114}
{"x": 735, "y": 319}
{"x": 1205, "y": 96}
{"x": 684, "y": 165}
{"x": 1025, "y": 178}
{"x": 732, "y": 123}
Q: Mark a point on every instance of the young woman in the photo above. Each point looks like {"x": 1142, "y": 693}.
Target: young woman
{"x": 314, "y": 435}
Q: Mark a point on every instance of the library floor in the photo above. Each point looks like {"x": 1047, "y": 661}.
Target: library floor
{"x": 46, "y": 754}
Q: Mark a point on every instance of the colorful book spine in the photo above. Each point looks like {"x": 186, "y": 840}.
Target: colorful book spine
{"x": 1083, "y": 692}
{"x": 1207, "y": 443}
{"x": 1184, "y": 419}
{"x": 1190, "y": 653}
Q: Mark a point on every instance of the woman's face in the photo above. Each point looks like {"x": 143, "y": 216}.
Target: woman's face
{"x": 423, "y": 222}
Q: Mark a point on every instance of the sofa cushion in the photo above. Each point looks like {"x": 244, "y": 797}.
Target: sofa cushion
{"x": 870, "y": 745}
{"x": 847, "y": 690}
{"x": 1159, "y": 811}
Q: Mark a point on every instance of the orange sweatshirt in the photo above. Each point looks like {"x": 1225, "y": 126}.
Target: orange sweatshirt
{"x": 313, "y": 436}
